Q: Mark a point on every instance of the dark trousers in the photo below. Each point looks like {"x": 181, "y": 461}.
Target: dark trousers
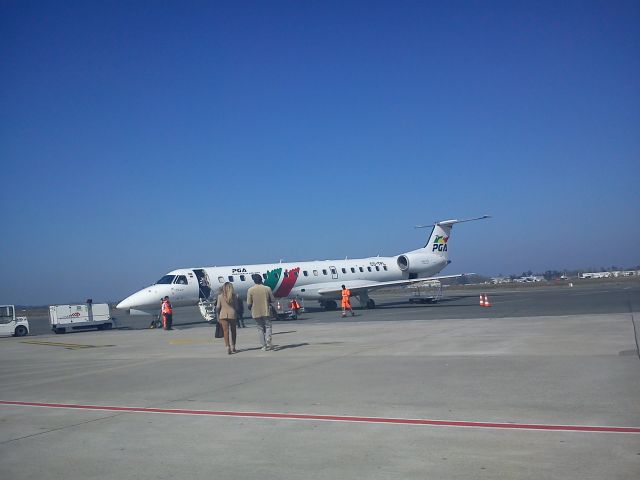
{"x": 168, "y": 320}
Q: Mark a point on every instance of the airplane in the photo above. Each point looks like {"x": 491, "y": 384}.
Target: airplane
{"x": 315, "y": 280}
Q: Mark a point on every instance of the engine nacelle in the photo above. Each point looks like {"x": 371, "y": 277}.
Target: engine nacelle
{"x": 414, "y": 262}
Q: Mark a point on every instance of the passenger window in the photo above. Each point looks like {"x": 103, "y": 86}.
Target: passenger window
{"x": 324, "y": 272}
{"x": 264, "y": 276}
{"x": 242, "y": 278}
{"x": 344, "y": 270}
{"x": 231, "y": 278}
{"x": 377, "y": 268}
{"x": 305, "y": 273}
{"x": 384, "y": 267}
{"x": 286, "y": 274}
{"x": 369, "y": 268}
{"x": 361, "y": 269}
{"x": 296, "y": 273}
{"x": 315, "y": 273}
{"x": 221, "y": 279}
{"x": 353, "y": 270}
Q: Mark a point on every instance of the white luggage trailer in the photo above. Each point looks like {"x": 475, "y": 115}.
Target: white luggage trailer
{"x": 12, "y": 325}
{"x": 429, "y": 291}
{"x": 65, "y": 318}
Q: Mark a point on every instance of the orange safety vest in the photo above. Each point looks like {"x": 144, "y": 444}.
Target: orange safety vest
{"x": 294, "y": 305}
{"x": 346, "y": 293}
{"x": 166, "y": 307}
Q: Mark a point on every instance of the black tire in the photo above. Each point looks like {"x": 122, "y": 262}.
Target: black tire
{"x": 21, "y": 331}
{"x": 330, "y": 305}
{"x": 371, "y": 304}
{"x": 107, "y": 326}
{"x": 60, "y": 330}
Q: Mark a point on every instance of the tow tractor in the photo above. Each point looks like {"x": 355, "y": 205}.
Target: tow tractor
{"x": 283, "y": 312}
{"x": 12, "y": 325}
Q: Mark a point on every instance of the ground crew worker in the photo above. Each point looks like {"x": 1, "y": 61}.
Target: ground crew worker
{"x": 346, "y": 304}
{"x": 167, "y": 314}
{"x": 295, "y": 308}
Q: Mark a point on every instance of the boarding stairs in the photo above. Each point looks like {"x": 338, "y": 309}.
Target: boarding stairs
{"x": 207, "y": 309}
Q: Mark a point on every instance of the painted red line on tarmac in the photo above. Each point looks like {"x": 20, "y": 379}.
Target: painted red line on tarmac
{"x": 336, "y": 418}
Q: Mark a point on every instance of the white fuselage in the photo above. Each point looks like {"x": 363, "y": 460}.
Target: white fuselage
{"x": 315, "y": 280}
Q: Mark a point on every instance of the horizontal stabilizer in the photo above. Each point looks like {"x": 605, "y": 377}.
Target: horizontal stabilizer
{"x": 448, "y": 223}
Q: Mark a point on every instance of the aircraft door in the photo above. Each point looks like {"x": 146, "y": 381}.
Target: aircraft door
{"x": 334, "y": 272}
{"x": 204, "y": 285}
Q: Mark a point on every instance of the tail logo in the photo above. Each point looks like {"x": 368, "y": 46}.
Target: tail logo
{"x": 440, "y": 243}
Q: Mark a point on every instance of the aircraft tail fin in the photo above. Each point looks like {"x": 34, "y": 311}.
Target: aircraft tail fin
{"x": 437, "y": 243}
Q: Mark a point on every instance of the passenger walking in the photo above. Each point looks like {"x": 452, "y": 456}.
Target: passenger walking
{"x": 259, "y": 299}
{"x": 346, "y": 303}
{"x": 226, "y": 310}
{"x": 167, "y": 314}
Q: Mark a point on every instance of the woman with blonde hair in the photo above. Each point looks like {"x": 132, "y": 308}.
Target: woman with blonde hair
{"x": 226, "y": 310}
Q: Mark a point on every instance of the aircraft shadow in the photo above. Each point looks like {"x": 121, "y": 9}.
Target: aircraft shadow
{"x": 277, "y": 348}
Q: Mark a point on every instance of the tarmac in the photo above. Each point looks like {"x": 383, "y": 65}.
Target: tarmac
{"x": 544, "y": 384}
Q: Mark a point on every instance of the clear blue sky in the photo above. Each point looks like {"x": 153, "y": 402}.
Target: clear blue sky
{"x": 139, "y": 137}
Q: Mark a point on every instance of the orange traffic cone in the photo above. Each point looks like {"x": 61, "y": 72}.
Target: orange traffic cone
{"x": 482, "y": 300}
{"x": 486, "y": 301}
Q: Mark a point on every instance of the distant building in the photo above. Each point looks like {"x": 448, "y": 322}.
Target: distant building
{"x": 496, "y": 280}
{"x": 529, "y": 279}
{"x": 614, "y": 274}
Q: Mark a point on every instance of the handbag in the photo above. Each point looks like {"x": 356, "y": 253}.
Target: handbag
{"x": 219, "y": 332}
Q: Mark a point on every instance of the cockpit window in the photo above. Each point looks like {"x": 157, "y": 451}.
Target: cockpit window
{"x": 166, "y": 280}
{"x": 181, "y": 280}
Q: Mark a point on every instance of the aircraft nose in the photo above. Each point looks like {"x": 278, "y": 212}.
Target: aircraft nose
{"x": 139, "y": 299}
{"x": 124, "y": 305}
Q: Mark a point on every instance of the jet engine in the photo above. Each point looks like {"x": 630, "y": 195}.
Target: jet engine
{"x": 413, "y": 262}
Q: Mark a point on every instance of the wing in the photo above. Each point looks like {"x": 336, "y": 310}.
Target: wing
{"x": 358, "y": 286}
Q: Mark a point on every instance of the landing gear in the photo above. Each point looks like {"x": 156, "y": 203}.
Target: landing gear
{"x": 329, "y": 305}
{"x": 371, "y": 304}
